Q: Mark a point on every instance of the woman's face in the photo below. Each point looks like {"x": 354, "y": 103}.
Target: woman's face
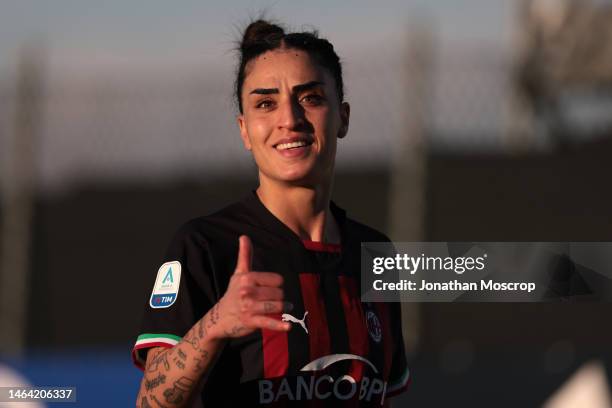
{"x": 291, "y": 117}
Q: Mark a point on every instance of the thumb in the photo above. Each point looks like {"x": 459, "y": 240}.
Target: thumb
{"x": 245, "y": 255}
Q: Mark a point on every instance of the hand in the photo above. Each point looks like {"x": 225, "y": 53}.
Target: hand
{"x": 250, "y": 296}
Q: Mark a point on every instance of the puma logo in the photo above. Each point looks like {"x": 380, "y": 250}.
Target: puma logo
{"x": 286, "y": 317}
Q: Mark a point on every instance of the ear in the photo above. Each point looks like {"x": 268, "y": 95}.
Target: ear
{"x": 244, "y": 135}
{"x": 345, "y": 113}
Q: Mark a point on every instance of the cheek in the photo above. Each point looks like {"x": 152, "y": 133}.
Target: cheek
{"x": 331, "y": 125}
{"x": 258, "y": 131}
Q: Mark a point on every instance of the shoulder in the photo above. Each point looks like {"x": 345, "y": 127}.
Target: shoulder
{"x": 212, "y": 239}
{"x": 216, "y": 225}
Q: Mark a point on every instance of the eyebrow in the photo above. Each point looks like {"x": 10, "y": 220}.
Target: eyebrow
{"x": 296, "y": 88}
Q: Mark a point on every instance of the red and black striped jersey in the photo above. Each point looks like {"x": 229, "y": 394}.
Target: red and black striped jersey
{"x": 339, "y": 352}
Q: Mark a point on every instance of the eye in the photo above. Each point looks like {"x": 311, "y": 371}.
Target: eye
{"x": 312, "y": 99}
{"x": 265, "y": 104}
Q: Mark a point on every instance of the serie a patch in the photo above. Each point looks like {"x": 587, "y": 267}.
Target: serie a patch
{"x": 166, "y": 286}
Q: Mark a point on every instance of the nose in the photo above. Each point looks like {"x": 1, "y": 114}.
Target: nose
{"x": 291, "y": 114}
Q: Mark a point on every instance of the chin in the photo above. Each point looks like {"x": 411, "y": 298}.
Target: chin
{"x": 298, "y": 176}
{"x": 299, "y": 179}
{"x": 295, "y": 173}
{"x": 303, "y": 175}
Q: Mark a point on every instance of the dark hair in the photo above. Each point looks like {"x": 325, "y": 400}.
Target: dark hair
{"x": 261, "y": 36}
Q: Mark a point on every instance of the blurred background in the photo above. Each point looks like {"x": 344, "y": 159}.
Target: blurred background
{"x": 472, "y": 120}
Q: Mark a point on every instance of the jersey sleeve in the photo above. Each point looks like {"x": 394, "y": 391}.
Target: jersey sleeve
{"x": 182, "y": 292}
{"x": 399, "y": 377}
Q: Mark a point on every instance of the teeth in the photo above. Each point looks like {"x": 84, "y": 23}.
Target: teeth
{"x": 285, "y": 146}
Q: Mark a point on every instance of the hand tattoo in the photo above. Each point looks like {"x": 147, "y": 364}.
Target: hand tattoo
{"x": 234, "y": 331}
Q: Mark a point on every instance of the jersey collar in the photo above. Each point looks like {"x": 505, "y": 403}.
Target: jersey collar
{"x": 272, "y": 224}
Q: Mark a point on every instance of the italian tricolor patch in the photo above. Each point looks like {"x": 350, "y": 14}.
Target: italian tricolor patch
{"x": 148, "y": 340}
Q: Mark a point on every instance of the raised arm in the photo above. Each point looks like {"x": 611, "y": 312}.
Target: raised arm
{"x": 172, "y": 375}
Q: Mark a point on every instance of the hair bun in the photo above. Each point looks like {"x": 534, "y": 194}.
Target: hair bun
{"x": 262, "y": 36}
{"x": 261, "y": 31}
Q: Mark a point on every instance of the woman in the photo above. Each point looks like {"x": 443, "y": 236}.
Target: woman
{"x": 258, "y": 304}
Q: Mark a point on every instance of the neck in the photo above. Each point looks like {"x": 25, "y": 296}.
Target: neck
{"x": 305, "y": 210}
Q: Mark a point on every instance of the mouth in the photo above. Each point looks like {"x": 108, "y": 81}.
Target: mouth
{"x": 292, "y": 144}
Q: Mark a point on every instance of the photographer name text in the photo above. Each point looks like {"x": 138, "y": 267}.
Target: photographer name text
{"x": 452, "y": 285}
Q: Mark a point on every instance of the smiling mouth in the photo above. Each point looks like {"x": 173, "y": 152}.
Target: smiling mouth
{"x": 292, "y": 145}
